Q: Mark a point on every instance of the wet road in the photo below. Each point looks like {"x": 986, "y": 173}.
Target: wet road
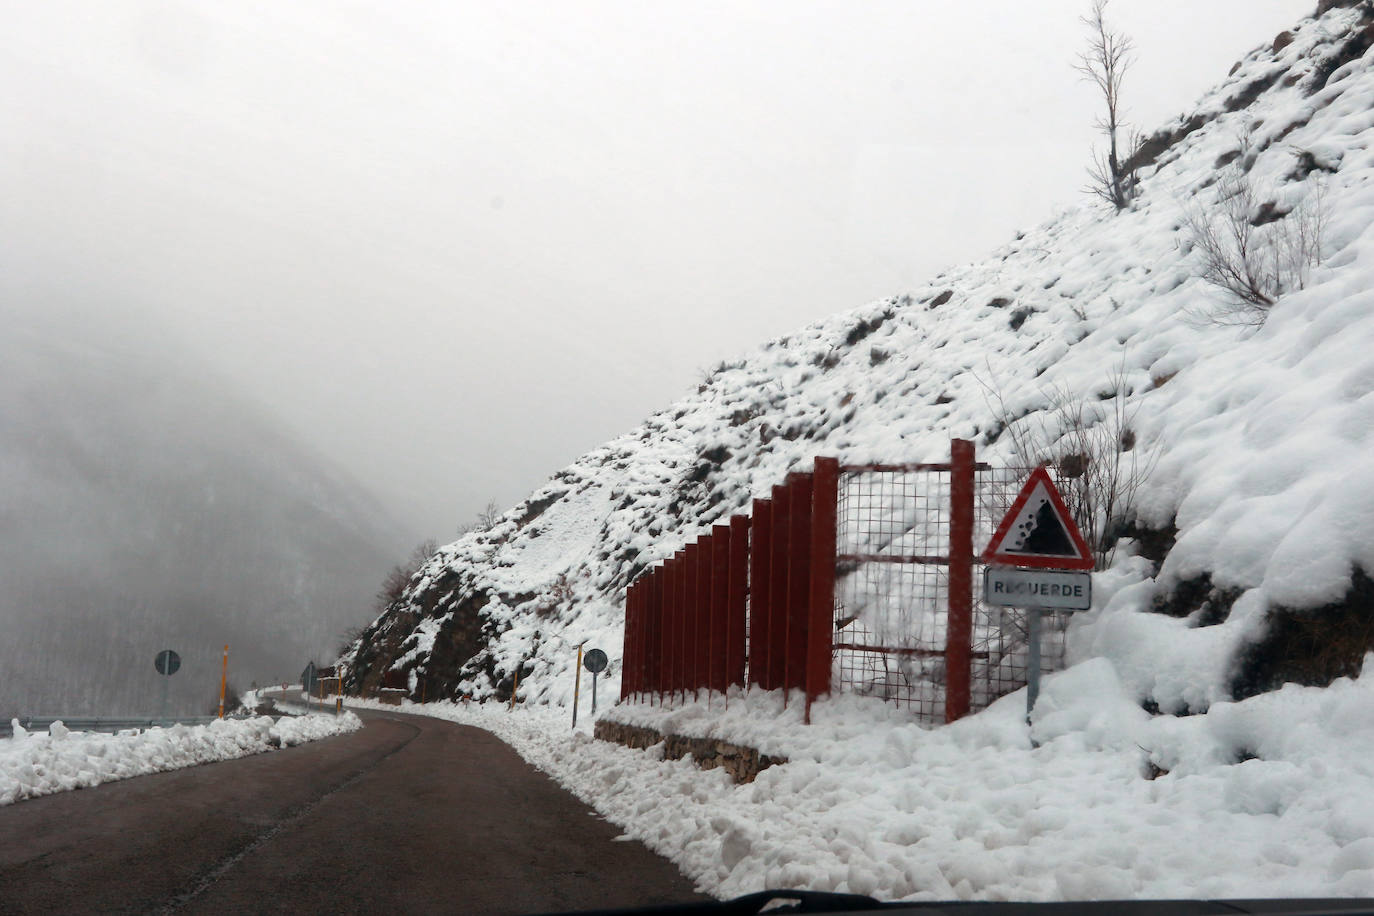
{"x": 408, "y": 815}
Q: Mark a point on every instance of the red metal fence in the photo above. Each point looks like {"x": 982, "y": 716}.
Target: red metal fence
{"x": 851, "y": 577}
{"x": 695, "y": 622}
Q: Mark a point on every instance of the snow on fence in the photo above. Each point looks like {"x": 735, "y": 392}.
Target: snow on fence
{"x": 857, "y": 578}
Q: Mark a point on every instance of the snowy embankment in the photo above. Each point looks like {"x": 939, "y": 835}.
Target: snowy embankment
{"x": 1254, "y": 442}
{"x": 41, "y": 764}
{"x": 1271, "y": 796}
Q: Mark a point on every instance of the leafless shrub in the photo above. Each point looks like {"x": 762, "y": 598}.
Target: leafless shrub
{"x": 489, "y": 516}
{"x": 1104, "y": 64}
{"x": 348, "y": 637}
{"x": 394, "y": 585}
{"x": 1251, "y": 252}
{"x": 560, "y": 594}
{"x": 1093, "y": 446}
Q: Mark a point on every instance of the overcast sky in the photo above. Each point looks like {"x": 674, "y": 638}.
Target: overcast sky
{"x": 455, "y": 245}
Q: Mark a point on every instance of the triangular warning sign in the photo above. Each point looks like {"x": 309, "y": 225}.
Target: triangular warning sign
{"x": 1038, "y": 530}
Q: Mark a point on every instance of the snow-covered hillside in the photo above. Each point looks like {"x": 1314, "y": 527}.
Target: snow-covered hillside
{"x": 1262, "y": 499}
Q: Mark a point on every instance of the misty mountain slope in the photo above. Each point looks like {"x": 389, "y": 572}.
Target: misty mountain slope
{"x": 143, "y": 508}
{"x": 1263, "y": 495}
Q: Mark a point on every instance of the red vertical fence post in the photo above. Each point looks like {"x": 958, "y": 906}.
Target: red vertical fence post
{"x": 701, "y": 617}
{"x": 720, "y": 593}
{"x": 959, "y": 632}
{"x": 777, "y": 590}
{"x": 665, "y": 629}
{"x": 644, "y": 617}
{"x": 700, "y": 622}
{"x": 820, "y": 630}
{"x": 687, "y": 651}
{"x": 705, "y": 638}
{"x": 626, "y": 650}
{"x": 689, "y": 624}
{"x": 642, "y": 638}
{"x": 674, "y": 584}
{"x": 646, "y": 639}
{"x": 798, "y": 579}
{"x": 737, "y": 610}
{"x": 655, "y": 678}
{"x": 665, "y": 596}
{"x": 760, "y": 579}
{"x": 633, "y": 667}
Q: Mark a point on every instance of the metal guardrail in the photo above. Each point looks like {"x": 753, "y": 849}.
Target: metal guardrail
{"x": 110, "y": 724}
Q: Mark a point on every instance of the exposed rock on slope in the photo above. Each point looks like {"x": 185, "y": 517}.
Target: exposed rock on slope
{"x": 1262, "y": 502}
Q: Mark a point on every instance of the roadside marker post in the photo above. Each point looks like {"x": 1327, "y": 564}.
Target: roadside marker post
{"x": 223, "y": 680}
{"x": 1038, "y": 532}
{"x": 514, "y": 688}
{"x": 577, "y": 682}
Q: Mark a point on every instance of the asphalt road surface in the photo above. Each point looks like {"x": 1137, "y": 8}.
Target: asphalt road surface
{"x": 408, "y": 815}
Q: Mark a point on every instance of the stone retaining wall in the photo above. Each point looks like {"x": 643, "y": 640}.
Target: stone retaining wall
{"x": 742, "y": 763}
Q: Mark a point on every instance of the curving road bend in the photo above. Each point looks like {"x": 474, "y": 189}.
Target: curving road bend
{"x": 408, "y": 815}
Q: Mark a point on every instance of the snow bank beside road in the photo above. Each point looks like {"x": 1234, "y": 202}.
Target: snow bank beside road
{"x": 1272, "y": 796}
{"x": 41, "y": 764}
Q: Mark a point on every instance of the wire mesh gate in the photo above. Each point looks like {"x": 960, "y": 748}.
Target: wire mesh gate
{"x": 910, "y": 623}
{"x": 857, "y": 578}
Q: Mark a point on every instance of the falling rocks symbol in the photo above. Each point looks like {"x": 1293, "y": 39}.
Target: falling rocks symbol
{"x": 1042, "y": 534}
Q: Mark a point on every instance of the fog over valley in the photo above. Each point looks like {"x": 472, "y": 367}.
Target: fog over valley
{"x": 146, "y": 508}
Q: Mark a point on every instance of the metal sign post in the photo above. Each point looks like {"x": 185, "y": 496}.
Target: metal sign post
{"x": 1041, "y": 592}
{"x": 595, "y": 662}
{"x": 166, "y": 662}
{"x": 308, "y": 683}
{"x": 1038, "y": 532}
{"x": 1035, "y": 620}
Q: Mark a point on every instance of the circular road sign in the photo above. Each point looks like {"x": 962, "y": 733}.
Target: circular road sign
{"x": 594, "y": 661}
{"x": 167, "y": 662}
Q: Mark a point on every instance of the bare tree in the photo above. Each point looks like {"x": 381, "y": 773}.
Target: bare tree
{"x": 1104, "y": 64}
{"x": 1253, "y": 257}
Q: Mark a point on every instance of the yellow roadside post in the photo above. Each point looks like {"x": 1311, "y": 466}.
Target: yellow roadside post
{"x": 515, "y": 688}
{"x": 223, "y": 680}
{"x": 577, "y": 683}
